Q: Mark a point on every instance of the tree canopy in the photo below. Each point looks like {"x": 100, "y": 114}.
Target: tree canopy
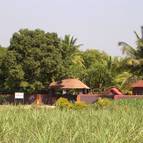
{"x": 35, "y": 58}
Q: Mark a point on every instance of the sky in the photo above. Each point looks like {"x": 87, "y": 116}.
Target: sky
{"x": 98, "y": 24}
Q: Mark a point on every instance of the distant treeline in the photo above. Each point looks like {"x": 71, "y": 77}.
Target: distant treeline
{"x": 35, "y": 58}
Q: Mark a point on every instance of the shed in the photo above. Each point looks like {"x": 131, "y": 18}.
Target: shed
{"x": 137, "y": 87}
{"x": 68, "y": 88}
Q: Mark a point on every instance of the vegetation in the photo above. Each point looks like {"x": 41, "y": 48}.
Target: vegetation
{"x": 134, "y": 58}
{"x": 122, "y": 123}
{"x": 103, "y": 103}
{"x": 63, "y": 103}
{"x": 3, "y": 99}
{"x": 35, "y": 58}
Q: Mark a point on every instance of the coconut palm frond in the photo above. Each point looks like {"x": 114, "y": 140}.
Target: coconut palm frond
{"x": 127, "y": 49}
{"x": 141, "y": 61}
{"x": 78, "y": 60}
{"x": 133, "y": 62}
{"x": 138, "y": 37}
{"x": 71, "y": 41}
{"x": 140, "y": 44}
{"x": 125, "y": 79}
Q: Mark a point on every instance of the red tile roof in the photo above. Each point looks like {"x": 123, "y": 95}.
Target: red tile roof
{"x": 138, "y": 83}
{"x": 69, "y": 84}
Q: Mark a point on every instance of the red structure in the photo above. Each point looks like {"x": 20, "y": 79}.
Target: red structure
{"x": 137, "y": 87}
{"x": 116, "y": 91}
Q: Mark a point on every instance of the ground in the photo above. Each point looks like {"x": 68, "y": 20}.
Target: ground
{"x": 120, "y": 123}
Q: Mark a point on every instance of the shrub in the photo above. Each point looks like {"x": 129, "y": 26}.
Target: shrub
{"x": 103, "y": 102}
{"x": 79, "y": 105}
{"x": 3, "y": 99}
{"x": 63, "y": 103}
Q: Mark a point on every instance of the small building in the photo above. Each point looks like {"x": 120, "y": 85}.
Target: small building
{"x": 70, "y": 83}
{"x": 67, "y": 88}
{"x": 137, "y": 87}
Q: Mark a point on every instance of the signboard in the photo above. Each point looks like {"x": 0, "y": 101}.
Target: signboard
{"x": 19, "y": 95}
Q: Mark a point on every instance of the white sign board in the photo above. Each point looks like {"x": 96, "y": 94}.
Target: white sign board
{"x": 19, "y": 95}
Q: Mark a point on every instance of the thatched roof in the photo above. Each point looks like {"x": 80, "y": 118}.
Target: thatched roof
{"x": 138, "y": 83}
{"x": 69, "y": 84}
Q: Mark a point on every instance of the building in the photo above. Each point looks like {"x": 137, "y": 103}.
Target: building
{"x": 67, "y": 88}
{"x": 137, "y": 87}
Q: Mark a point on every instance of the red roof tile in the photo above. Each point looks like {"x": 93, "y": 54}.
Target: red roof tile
{"x": 69, "y": 84}
{"x": 138, "y": 83}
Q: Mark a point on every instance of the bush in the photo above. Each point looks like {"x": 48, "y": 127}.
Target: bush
{"x": 63, "y": 103}
{"x": 79, "y": 105}
{"x": 103, "y": 102}
{"x": 3, "y": 99}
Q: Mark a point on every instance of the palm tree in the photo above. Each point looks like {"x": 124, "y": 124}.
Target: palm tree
{"x": 69, "y": 46}
{"x": 72, "y": 57}
{"x": 134, "y": 54}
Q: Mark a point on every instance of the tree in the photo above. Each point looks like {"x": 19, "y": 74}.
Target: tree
{"x": 102, "y": 69}
{"x": 12, "y": 72}
{"x": 34, "y": 57}
{"x": 92, "y": 56}
{"x": 2, "y": 52}
{"x": 72, "y": 58}
{"x": 98, "y": 76}
{"x": 77, "y": 68}
{"x": 134, "y": 55}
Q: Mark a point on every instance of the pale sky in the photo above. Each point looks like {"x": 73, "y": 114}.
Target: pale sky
{"x": 98, "y": 24}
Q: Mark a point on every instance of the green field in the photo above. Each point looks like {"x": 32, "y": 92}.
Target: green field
{"x": 120, "y": 123}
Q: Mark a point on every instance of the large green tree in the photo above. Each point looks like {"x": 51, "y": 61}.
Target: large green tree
{"x": 97, "y": 74}
{"x": 33, "y": 58}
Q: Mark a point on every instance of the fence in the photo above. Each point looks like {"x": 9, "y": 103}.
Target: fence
{"x": 118, "y": 97}
{"x": 89, "y": 99}
{"x": 28, "y": 98}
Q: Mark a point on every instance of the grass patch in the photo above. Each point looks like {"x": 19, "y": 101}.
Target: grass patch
{"x": 116, "y": 124}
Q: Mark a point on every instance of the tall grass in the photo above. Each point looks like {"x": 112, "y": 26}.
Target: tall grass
{"x": 122, "y": 123}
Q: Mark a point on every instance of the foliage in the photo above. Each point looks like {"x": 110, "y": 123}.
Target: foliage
{"x": 134, "y": 55}
{"x": 35, "y": 58}
{"x": 3, "y": 99}
{"x": 94, "y": 62}
{"x": 137, "y": 103}
{"x": 98, "y": 76}
{"x": 123, "y": 124}
{"x": 2, "y": 51}
{"x": 63, "y": 103}
{"x": 73, "y": 63}
{"x": 103, "y": 102}
{"x": 79, "y": 105}
{"x": 92, "y": 56}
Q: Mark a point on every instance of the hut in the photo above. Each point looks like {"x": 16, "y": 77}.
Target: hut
{"x": 137, "y": 87}
{"x": 67, "y": 88}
